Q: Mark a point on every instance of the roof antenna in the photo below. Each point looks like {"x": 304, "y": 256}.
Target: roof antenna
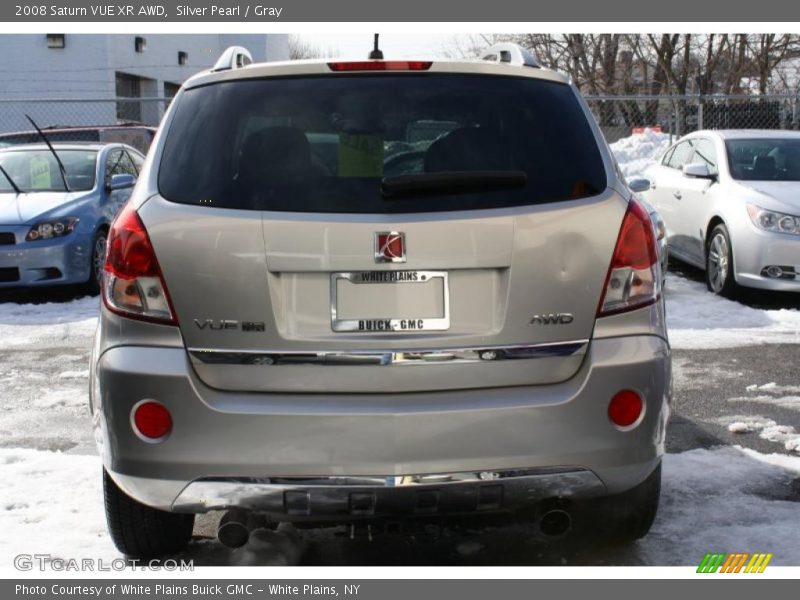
{"x": 376, "y": 52}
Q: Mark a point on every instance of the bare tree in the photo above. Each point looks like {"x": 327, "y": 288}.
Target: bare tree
{"x": 300, "y": 48}
{"x": 768, "y": 51}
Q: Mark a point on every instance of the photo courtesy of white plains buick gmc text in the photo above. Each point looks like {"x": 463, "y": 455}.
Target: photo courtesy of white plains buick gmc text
{"x": 380, "y": 289}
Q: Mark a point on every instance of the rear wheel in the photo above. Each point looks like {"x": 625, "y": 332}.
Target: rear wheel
{"x": 140, "y": 531}
{"x": 98, "y": 262}
{"x": 628, "y": 516}
{"x": 719, "y": 263}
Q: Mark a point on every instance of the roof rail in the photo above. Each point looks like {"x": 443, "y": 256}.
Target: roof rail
{"x": 234, "y": 57}
{"x": 510, "y": 54}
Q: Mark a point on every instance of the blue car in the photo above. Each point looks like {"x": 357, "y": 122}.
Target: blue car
{"x": 53, "y": 222}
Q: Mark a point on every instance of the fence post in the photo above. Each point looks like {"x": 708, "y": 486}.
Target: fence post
{"x": 700, "y": 107}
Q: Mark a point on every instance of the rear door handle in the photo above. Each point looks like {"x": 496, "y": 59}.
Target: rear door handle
{"x": 678, "y": 195}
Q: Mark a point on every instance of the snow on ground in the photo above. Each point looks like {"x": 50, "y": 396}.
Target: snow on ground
{"x": 23, "y": 324}
{"x": 745, "y": 423}
{"x": 773, "y": 388}
{"x": 51, "y": 503}
{"x": 637, "y": 152}
{"x": 767, "y": 429}
{"x": 698, "y": 319}
{"x": 720, "y": 501}
{"x": 712, "y": 500}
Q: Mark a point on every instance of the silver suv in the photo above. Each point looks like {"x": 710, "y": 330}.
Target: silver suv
{"x": 373, "y": 290}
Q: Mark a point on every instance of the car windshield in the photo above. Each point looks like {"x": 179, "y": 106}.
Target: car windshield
{"x": 380, "y": 144}
{"x": 38, "y": 171}
{"x": 768, "y": 159}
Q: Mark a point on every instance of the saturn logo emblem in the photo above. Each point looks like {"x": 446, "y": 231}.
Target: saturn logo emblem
{"x": 390, "y": 247}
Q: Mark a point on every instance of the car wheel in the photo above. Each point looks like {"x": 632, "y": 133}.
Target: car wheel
{"x": 628, "y": 516}
{"x": 719, "y": 263}
{"x": 98, "y": 262}
{"x": 139, "y": 531}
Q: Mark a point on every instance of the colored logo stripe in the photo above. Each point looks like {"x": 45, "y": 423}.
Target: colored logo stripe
{"x": 734, "y": 562}
{"x": 758, "y": 563}
{"x": 710, "y": 563}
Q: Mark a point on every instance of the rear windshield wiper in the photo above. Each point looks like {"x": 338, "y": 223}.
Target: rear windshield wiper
{"x": 451, "y": 182}
{"x": 11, "y": 181}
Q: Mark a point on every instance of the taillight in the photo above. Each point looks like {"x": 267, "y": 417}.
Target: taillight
{"x": 133, "y": 285}
{"x": 633, "y": 280}
{"x": 380, "y": 65}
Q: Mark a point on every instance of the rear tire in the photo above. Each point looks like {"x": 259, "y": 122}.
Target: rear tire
{"x": 719, "y": 263}
{"x": 139, "y": 531}
{"x": 628, "y": 516}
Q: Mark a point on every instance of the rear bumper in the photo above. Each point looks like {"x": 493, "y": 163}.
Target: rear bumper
{"x": 238, "y": 449}
{"x": 60, "y": 261}
{"x": 348, "y": 498}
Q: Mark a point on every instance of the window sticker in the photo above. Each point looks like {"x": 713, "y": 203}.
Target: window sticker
{"x": 40, "y": 173}
{"x": 360, "y": 155}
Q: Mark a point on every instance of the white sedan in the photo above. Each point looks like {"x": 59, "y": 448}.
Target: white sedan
{"x": 730, "y": 201}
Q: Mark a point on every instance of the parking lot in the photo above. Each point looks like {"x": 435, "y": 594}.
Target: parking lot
{"x": 731, "y": 476}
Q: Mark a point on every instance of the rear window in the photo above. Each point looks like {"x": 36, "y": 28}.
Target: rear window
{"x": 334, "y": 144}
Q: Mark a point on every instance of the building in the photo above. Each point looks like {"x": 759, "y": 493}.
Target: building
{"x": 76, "y": 79}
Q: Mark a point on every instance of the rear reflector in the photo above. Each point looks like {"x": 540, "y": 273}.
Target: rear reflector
{"x": 381, "y": 65}
{"x": 633, "y": 279}
{"x": 133, "y": 285}
{"x": 625, "y": 408}
{"x": 152, "y": 420}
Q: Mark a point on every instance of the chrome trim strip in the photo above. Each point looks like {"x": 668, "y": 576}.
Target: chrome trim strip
{"x": 332, "y": 496}
{"x": 391, "y": 358}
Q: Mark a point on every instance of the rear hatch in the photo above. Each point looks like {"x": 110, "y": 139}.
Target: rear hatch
{"x": 383, "y": 232}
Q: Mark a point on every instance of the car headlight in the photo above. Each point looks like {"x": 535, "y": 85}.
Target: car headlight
{"x": 47, "y": 230}
{"x": 769, "y": 220}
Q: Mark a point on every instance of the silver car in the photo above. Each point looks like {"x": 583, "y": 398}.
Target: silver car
{"x": 731, "y": 204}
{"x": 371, "y": 290}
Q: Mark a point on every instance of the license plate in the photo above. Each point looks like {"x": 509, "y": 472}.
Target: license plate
{"x": 398, "y": 301}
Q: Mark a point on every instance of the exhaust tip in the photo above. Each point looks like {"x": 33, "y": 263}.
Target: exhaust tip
{"x": 555, "y": 522}
{"x": 233, "y": 535}
{"x": 235, "y": 527}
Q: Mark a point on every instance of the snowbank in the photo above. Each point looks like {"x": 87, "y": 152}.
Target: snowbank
{"x": 698, "y": 319}
{"x": 637, "y": 152}
{"x": 25, "y": 324}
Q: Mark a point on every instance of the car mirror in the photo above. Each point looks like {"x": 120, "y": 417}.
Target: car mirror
{"x": 698, "y": 170}
{"x": 120, "y": 181}
{"x": 639, "y": 184}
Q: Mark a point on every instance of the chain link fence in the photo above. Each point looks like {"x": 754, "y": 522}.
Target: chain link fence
{"x": 639, "y": 128}
{"x": 77, "y": 112}
{"x": 621, "y": 116}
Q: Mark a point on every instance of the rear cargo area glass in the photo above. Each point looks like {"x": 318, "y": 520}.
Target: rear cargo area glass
{"x": 327, "y": 143}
